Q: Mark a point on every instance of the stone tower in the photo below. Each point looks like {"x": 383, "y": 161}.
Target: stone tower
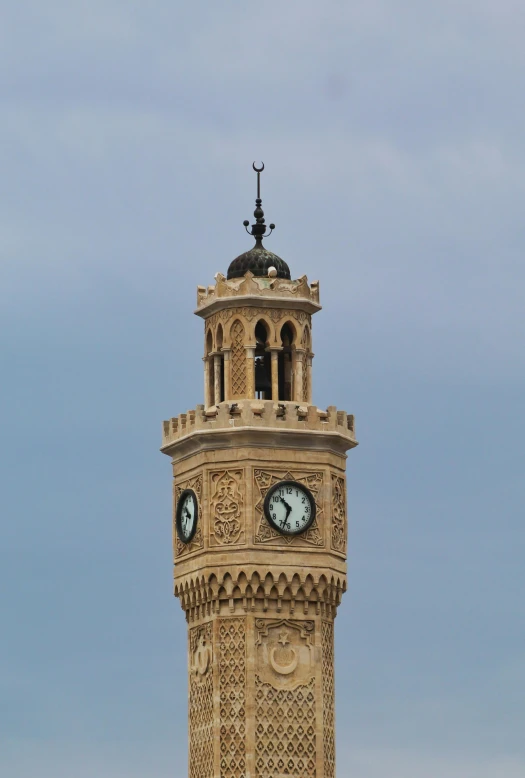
{"x": 260, "y": 529}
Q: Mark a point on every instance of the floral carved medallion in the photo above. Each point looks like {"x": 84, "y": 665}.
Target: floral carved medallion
{"x": 339, "y": 526}
{"x": 226, "y": 507}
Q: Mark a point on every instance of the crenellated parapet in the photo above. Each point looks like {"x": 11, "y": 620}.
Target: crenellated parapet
{"x": 209, "y": 298}
{"x": 250, "y": 589}
{"x": 259, "y": 414}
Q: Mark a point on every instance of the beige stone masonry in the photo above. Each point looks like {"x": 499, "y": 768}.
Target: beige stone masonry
{"x": 260, "y": 604}
{"x": 283, "y": 416}
{"x": 278, "y": 290}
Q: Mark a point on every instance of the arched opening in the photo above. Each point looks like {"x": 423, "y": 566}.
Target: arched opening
{"x": 285, "y": 363}
{"x": 263, "y": 363}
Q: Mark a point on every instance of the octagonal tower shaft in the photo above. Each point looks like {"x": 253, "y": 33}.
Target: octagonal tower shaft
{"x": 260, "y": 605}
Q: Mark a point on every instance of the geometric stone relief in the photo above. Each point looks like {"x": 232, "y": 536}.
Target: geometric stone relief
{"x": 232, "y": 696}
{"x": 226, "y": 507}
{"x": 328, "y": 698}
{"x": 264, "y": 479}
{"x": 197, "y": 541}
{"x": 285, "y": 728}
{"x": 238, "y": 360}
{"x": 285, "y": 731}
{"x": 339, "y": 527}
{"x": 201, "y": 702}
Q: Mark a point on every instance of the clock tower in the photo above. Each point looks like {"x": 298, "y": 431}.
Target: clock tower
{"x": 259, "y": 528}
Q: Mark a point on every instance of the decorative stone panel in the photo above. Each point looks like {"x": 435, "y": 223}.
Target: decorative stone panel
{"x": 238, "y": 360}
{"x": 201, "y": 702}
{"x": 197, "y": 541}
{"x": 232, "y": 697}
{"x": 227, "y": 507}
{"x": 339, "y": 523}
{"x": 264, "y": 532}
{"x": 285, "y": 737}
{"x": 284, "y": 652}
{"x": 327, "y": 628}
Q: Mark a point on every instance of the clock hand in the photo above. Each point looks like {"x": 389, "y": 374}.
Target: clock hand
{"x": 288, "y": 510}
{"x": 288, "y": 507}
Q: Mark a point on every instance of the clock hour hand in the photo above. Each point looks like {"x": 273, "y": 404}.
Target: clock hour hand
{"x": 287, "y": 506}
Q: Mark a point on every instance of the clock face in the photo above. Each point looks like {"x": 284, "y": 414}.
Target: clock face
{"x": 289, "y": 507}
{"x": 187, "y": 515}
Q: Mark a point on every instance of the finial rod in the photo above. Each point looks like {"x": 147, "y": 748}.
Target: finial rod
{"x": 258, "y": 170}
{"x": 258, "y": 229}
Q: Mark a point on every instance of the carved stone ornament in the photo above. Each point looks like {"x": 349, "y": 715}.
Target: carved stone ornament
{"x": 248, "y": 313}
{"x": 264, "y": 533}
{"x": 202, "y": 656}
{"x": 327, "y": 637}
{"x": 232, "y": 697}
{"x": 201, "y": 707}
{"x": 339, "y": 526}
{"x": 285, "y": 652}
{"x": 226, "y": 507}
{"x": 197, "y": 542}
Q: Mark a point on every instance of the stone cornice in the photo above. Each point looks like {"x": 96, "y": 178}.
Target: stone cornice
{"x": 254, "y": 588}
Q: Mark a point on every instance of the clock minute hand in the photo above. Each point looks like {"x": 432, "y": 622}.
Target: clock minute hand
{"x": 288, "y": 510}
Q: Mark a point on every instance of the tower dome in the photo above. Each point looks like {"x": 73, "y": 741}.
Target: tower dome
{"x": 258, "y": 261}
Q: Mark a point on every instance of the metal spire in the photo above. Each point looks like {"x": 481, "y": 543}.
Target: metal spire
{"x": 258, "y": 229}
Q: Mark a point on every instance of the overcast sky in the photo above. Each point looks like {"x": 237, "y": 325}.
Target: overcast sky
{"x": 392, "y": 134}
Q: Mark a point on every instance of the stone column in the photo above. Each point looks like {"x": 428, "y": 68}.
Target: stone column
{"x": 250, "y": 372}
{"x": 298, "y": 375}
{"x": 207, "y": 398}
{"x": 275, "y": 373}
{"x": 227, "y": 373}
{"x": 217, "y": 377}
{"x": 309, "y": 369}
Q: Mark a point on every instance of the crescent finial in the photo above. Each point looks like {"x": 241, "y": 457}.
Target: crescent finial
{"x": 258, "y": 169}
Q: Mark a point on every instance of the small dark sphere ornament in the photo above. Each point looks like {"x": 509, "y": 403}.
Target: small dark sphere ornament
{"x": 258, "y": 260}
{"x": 187, "y": 516}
